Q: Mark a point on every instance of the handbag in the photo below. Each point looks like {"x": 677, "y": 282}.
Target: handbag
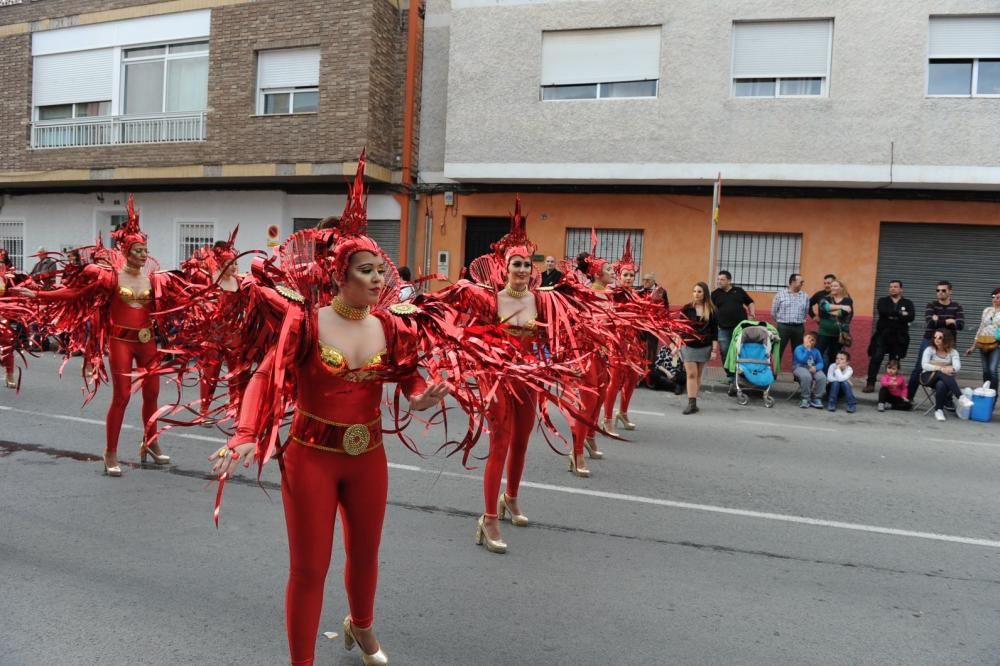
{"x": 845, "y": 338}
{"x": 986, "y": 343}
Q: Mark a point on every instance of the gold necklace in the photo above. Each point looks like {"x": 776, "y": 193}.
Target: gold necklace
{"x": 131, "y": 270}
{"x": 515, "y": 293}
{"x": 595, "y": 287}
{"x": 347, "y": 311}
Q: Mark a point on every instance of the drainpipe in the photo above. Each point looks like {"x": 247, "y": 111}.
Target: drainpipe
{"x": 413, "y": 33}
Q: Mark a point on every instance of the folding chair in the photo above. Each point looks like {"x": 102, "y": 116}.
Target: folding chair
{"x": 929, "y": 398}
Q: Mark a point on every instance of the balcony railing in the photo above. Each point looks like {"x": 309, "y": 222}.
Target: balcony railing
{"x": 119, "y": 130}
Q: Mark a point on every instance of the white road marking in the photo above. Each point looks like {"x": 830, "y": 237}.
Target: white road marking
{"x": 994, "y": 445}
{"x": 639, "y": 411}
{"x": 639, "y": 499}
{"x": 786, "y": 425}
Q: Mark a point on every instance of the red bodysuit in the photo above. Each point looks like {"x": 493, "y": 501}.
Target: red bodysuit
{"x": 333, "y": 459}
{"x": 130, "y": 335}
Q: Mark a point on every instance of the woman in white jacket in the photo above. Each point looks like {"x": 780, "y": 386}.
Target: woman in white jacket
{"x": 940, "y": 364}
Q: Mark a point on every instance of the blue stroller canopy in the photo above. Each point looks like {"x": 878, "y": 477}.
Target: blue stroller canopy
{"x": 755, "y": 364}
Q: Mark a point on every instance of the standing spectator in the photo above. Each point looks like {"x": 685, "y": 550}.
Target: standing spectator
{"x": 835, "y": 314}
{"x": 986, "y": 340}
{"x": 733, "y": 305}
{"x": 839, "y": 377}
{"x": 406, "y": 288}
{"x": 581, "y": 270}
{"x": 892, "y": 331}
{"x": 939, "y": 365}
{"x": 940, "y": 314}
{"x": 790, "y": 309}
{"x": 651, "y": 290}
{"x": 44, "y": 272}
{"x": 701, "y": 345}
{"x": 814, "y": 301}
{"x": 808, "y": 369}
{"x": 892, "y": 393}
{"x": 551, "y": 275}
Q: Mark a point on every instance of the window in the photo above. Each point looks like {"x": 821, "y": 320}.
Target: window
{"x": 12, "y": 239}
{"x": 759, "y": 261}
{"x": 964, "y": 56}
{"x": 288, "y": 81}
{"x": 610, "y": 244}
{"x": 76, "y": 110}
{"x": 781, "y": 58}
{"x": 600, "y": 64}
{"x": 166, "y": 78}
{"x": 191, "y": 236}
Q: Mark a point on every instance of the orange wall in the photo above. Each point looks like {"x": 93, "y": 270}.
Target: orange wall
{"x": 839, "y": 236}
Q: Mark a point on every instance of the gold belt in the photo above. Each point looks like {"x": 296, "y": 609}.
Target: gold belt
{"x": 350, "y": 438}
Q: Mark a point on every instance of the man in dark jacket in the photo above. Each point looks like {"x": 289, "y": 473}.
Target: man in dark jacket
{"x": 551, "y": 275}
{"x": 892, "y": 331}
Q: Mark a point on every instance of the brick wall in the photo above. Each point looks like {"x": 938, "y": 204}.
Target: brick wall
{"x": 361, "y": 90}
{"x": 34, "y": 10}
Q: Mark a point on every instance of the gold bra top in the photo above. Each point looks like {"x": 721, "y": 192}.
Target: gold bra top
{"x": 130, "y": 297}
{"x": 335, "y": 362}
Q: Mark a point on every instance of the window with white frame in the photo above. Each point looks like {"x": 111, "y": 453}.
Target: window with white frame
{"x": 601, "y": 63}
{"x": 165, "y": 78}
{"x": 782, "y": 58}
{"x": 964, "y": 56}
{"x": 287, "y": 81}
{"x": 12, "y": 240}
{"x": 759, "y": 261}
{"x": 191, "y": 236}
{"x": 610, "y": 244}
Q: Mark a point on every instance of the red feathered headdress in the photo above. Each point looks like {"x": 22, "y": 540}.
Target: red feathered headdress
{"x": 224, "y": 254}
{"x": 626, "y": 263}
{"x": 129, "y": 233}
{"x": 515, "y": 242}
{"x": 351, "y": 233}
{"x": 595, "y": 265}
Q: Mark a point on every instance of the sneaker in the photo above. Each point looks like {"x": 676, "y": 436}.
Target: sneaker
{"x": 881, "y": 406}
{"x": 816, "y": 403}
{"x": 831, "y": 408}
{"x": 804, "y": 404}
{"x": 939, "y": 415}
{"x": 869, "y": 388}
{"x": 851, "y": 409}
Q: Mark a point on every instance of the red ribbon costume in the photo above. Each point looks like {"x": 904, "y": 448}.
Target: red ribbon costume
{"x": 624, "y": 376}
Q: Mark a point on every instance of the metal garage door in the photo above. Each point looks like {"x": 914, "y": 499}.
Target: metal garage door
{"x": 386, "y": 234}
{"x": 922, "y": 254}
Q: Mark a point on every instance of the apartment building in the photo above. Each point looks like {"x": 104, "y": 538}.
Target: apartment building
{"x": 216, "y": 113}
{"x": 852, "y": 137}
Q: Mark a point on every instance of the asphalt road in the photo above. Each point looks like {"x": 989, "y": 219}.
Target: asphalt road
{"x": 741, "y": 535}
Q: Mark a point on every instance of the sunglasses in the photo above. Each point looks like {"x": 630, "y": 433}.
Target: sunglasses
{"x": 520, "y": 264}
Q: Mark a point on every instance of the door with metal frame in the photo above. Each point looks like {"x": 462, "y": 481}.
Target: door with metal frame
{"x": 480, "y": 233}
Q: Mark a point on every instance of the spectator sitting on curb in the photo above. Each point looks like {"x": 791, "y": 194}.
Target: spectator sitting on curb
{"x": 839, "y": 377}
{"x": 892, "y": 393}
{"x": 807, "y": 367}
{"x": 940, "y": 365}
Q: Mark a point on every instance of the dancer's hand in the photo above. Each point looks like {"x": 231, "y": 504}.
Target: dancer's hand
{"x": 22, "y": 291}
{"x": 228, "y": 458}
{"x": 434, "y": 394}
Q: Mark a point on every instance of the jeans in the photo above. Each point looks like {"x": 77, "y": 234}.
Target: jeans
{"x": 911, "y": 386}
{"x": 806, "y": 380}
{"x": 836, "y": 388}
{"x": 790, "y": 334}
{"x": 944, "y": 386}
{"x": 991, "y": 364}
{"x": 725, "y": 337}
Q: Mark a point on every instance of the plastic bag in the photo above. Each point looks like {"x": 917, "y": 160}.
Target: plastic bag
{"x": 963, "y": 406}
{"x": 985, "y": 391}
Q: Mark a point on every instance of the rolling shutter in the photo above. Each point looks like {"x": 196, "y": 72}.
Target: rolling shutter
{"x": 781, "y": 49}
{"x": 288, "y": 68}
{"x": 79, "y": 76}
{"x": 600, "y": 56}
{"x": 965, "y": 37}
{"x": 922, "y": 254}
{"x": 386, "y": 234}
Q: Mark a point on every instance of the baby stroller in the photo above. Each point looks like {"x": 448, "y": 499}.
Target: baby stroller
{"x": 753, "y": 350}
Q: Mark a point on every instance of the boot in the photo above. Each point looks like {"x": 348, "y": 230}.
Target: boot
{"x": 692, "y": 407}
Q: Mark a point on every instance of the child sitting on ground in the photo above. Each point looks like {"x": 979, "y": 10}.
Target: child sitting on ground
{"x": 892, "y": 394}
{"x": 839, "y": 381}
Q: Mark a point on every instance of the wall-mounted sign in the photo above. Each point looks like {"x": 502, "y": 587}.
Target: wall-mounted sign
{"x": 8, "y": 3}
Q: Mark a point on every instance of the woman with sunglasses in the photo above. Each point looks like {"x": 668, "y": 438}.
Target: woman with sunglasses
{"x": 940, "y": 365}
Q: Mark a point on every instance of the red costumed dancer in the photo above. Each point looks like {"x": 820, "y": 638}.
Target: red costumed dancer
{"x": 549, "y": 325}
{"x": 108, "y": 308}
{"x": 624, "y": 376}
{"x": 330, "y": 363}
{"x": 8, "y": 333}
